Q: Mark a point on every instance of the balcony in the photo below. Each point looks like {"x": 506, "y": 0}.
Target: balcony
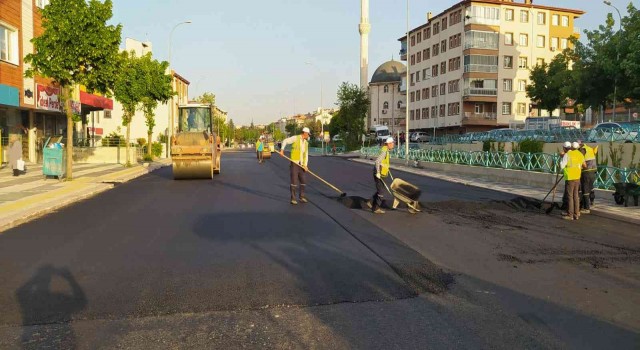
{"x": 482, "y": 68}
{"x": 484, "y": 119}
{"x": 488, "y": 115}
{"x": 480, "y": 92}
{"x": 481, "y": 40}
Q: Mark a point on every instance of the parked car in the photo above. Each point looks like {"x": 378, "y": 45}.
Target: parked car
{"x": 624, "y": 131}
{"x": 419, "y": 136}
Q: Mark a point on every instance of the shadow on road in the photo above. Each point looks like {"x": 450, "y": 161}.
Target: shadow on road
{"x": 51, "y": 296}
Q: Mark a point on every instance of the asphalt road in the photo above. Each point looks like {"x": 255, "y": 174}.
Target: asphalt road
{"x": 229, "y": 263}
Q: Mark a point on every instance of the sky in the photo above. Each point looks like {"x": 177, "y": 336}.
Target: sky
{"x": 253, "y": 54}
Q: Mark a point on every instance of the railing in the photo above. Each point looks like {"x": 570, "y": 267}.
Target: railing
{"x": 484, "y": 68}
{"x": 534, "y": 162}
{"x": 328, "y": 150}
{"x": 480, "y": 92}
{"x": 480, "y": 115}
{"x": 481, "y": 45}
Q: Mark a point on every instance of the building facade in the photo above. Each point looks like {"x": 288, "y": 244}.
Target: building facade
{"x": 469, "y": 65}
{"x": 388, "y": 103}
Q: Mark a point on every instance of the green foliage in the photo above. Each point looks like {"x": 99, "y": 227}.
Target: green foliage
{"x": 348, "y": 122}
{"x": 113, "y": 140}
{"x": 141, "y": 141}
{"x": 616, "y": 154}
{"x": 162, "y": 138}
{"x": 548, "y": 83}
{"x": 147, "y": 158}
{"x": 157, "y": 87}
{"x": 529, "y": 146}
{"x": 130, "y": 85}
{"x": 156, "y": 149}
{"x": 493, "y": 146}
{"x": 292, "y": 128}
{"x": 208, "y": 98}
{"x": 77, "y": 46}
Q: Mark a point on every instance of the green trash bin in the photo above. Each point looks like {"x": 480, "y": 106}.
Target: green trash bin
{"x": 54, "y": 158}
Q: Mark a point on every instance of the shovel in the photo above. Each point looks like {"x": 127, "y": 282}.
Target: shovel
{"x": 342, "y": 194}
{"x": 548, "y": 207}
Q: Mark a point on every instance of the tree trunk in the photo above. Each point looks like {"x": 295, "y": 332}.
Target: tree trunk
{"x": 128, "y": 143}
{"x": 149, "y": 136}
{"x": 69, "y": 112}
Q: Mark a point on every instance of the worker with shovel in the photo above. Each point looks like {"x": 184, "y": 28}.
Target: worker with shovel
{"x": 300, "y": 155}
{"x": 380, "y": 170}
{"x": 588, "y": 178}
{"x": 572, "y": 164}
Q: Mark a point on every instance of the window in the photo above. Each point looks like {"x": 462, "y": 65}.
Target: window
{"x": 522, "y": 109}
{"x": 507, "y": 85}
{"x": 563, "y": 43}
{"x": 506, "y": 108}
{"x": 399, "y": 104}
{"x": 436, "y": 49}
{"x": 425, "y": 93}
{"x": 419, "y": 57}
{"x": 107, "y": 114}
{"x": 413, "y": 97}
{"x": 434, "y": 91}
{"x": 412, "y": 115}
{"x": 522, "y": 85}
{"x": 428, "y": 33}
{"x": 443, "y": 67}
{"x": 523, "y": 62}
{"x": 539, "y": 61}
{"x": 434, "y": 70}
{"x": 425, "y": 113}
{"x": 42, "y": 3}
{"x": 436, "y": 28}
{"x": 524, "y": 39}
{"x": 413, "y": 60}
{"x": 508, "y": 62}
{"x": 443, "y": 89}
{"x": 442, "y": 110}
{"x": 413, "y": 40}
{"x": 554, "y": 44}
{"x": 428, "y": 54}
{"x": 419, "y": 37}
{"x": 386, "y": 88}
{"x": 425, "y": 74}
{"x": 485, "y": 14}
{"x": 8, "y": 45}
{"x": 540, "y": 41}
{"x": 434, "y": 111}
{"x": 418, "y": 95}
{"x": 412, "y": 78}
{"x": 555, "y": 20}
{"x": 444, "y": 23}
{"x": 443, "y": 46}
{"x": 542, "y": 18}
{"x": 508, "y": 38}
{"x": 385, "y": 105}
{"x": 417, "y": 77}
{"x": 524, "y": 16}
{"x": 424, "y": 54}
{"x": 508, "y": 15}
{"x": 565, "y": 21}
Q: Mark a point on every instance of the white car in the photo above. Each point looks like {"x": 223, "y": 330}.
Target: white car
{"x": 419, "y": 136}
{"x": 625, "y": 131}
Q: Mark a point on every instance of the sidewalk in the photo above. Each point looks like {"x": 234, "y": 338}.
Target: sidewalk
{"x": 604, "y": 204}
{"x": 29, "y": 196}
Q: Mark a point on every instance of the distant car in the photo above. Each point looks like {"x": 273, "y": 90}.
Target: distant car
{"x": 336, "y": 138}
{"x": 419, "y": 136}
{"x": 625, "y": 131}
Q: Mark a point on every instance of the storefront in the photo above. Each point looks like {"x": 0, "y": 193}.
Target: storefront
{"x": 13, "y": 121}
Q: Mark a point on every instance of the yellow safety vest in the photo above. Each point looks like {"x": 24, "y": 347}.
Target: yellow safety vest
{"x": 258, "y": 145}
{"x": 385, "y": 162}
{"x": 590, "y": 158}
{"x": 573, "y": 169}
{"x": 295, "y": 150}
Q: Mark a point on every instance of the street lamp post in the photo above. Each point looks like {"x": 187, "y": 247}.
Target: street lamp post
{"x": 321, "y": 100}
{"x": 615, "y": 82}
{"x": 170, "y": 126}
{"x": 406, "y": 135}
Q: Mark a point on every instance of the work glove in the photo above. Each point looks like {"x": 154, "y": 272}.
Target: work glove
{"x": 378, "y": 176}
{"x": 305, "y": 168}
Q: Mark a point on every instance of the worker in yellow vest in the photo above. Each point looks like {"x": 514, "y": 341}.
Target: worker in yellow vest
{"x": 299, "y": 155}
{"x": 260, "y": 149}
{"x": 380, "y": 170}
{"x": 572, "y": 164}
{"x": 588, "y": 178}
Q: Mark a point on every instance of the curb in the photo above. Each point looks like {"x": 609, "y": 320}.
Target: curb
{"x": 595, "y": 211}
{"x": 27, "y": 215}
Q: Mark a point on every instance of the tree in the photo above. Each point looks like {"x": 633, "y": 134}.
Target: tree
{"x": 208, "y": 98}
{"x": 232, "y": 134}
{"x": 77, "y": 47}
{"x": 130, "y": 89}
{"x": 349, "y": 120}
{"x": 292, "y": 128}
{"x": 158, "y": 89}
{"x": 630, "y": 55}
{"x": 548, "y": 82}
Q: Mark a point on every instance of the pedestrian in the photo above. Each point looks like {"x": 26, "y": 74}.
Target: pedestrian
{"x": 572, "y": 164}
{"x": 15, "y": 155}
{"x": 260, "y": 149}
{"x": 380, "y": 170}
{"x": 588, "y": 177}
{"x": 299, "y": 156}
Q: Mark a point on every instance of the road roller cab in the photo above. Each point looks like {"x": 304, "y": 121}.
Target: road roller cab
{"x": 195, "y": 148}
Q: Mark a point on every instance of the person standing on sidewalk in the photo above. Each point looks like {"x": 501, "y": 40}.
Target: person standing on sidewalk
{"x": 380, "y": 170}
{"x": 15, "y": 154}
{"x": 572, "y": 165}
{"x": 299, "y": 155}
{"x": 260, "y": 149}
{"x": 588, "y": 177}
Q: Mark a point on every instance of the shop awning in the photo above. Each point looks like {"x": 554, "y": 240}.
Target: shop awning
{"x": 94, "y": 102}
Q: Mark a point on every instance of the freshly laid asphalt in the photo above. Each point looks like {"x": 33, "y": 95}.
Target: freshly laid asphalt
{"x": 229, "y": 263}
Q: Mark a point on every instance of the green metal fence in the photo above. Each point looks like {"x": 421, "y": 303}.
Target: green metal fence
{"x": 537, "y": 162}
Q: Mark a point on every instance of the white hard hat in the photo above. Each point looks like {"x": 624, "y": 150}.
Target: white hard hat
{"x": 567, "y": 144}
{"x": 575, "y": 145}
{"x": 389, "y": 140}
{"x": 305, "y": 129}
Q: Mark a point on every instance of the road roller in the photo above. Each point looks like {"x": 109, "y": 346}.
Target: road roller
{"x": 195, "y": 148}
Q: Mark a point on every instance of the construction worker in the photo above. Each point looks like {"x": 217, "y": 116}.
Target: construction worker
{"x": 299, "y": 155}
{"x": 572, "y": 164}
{"x": 260, "y": 149}
{"x": 380, "y": 170}
{"x": 588, "y": 178}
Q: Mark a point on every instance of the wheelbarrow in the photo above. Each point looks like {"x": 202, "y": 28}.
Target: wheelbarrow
{"x": 404, "y": 192}
{"x": 624, "y": 191}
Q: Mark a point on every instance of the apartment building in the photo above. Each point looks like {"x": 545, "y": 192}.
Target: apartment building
{"x": 387, "y": 102}
{"x": 469, "y": 65}
{"x": 30, "y": 108}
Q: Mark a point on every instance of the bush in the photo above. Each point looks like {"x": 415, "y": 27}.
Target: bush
{"x": 141, "y": 142}
{"x": 147, "y": 158}
{"x": 529, "y": 146}
{"x": 114, "y": 140}
{"x": 490, "y": 146}
{"x": 156, "y": 149}
{"x": 162, "y": 138}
